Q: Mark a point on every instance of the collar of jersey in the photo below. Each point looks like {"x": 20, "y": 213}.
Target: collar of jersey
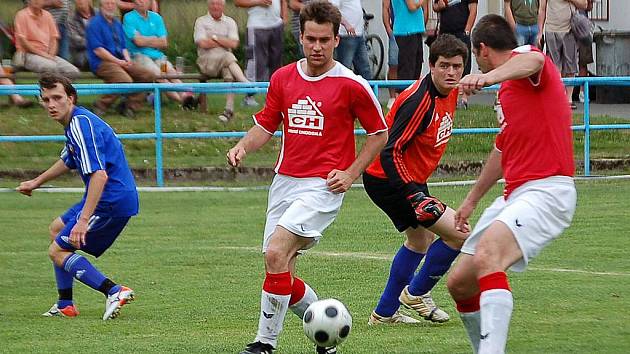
{"x": 313, "y": 78}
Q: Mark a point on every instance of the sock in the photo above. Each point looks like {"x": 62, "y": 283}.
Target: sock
{"x": 436, "y": 264}
{"x": 108, "y": 287}
{"x": 496, "y": 304}
{"x": 274, "y": 304}
{"x": 471, "y": 318}
{"x": 403, "y": 267}
{"x": 64, "y": 286}
{"x": 83, "y": 271}
{"x": 302, "y": 296}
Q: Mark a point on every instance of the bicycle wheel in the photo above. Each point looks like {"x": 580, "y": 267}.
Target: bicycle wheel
{"x": 376, "y": 54}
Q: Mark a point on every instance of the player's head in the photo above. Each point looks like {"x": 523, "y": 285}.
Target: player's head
{"x": 58, "y": 96}
{"x": 319, "y": 32}
{"x": 492, "y": 34}
{"x": 447, "y": 57}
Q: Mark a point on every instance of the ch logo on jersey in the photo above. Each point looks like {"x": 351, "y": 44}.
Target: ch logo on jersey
{"x": 444, "y": 130}
{"x": 305, "y": 114}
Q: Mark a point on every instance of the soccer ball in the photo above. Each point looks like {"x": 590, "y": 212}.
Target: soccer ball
{"x": 327, "y": 322}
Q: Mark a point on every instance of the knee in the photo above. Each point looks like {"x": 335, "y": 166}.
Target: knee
{"x": 485, "y": 259}
{"x": 457, "y": 287}
{"x": 419, "y": 243}
{"x": 54, "y": 253}
{"x": 275, "y": 260}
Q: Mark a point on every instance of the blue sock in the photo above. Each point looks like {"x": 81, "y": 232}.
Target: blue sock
{"x": 84, "y": 271}
{"x": 403, "y": 267}
{"x": 64, "y": 286}
{"x": 114, "y": 289}
{"x": 438, "y": 261}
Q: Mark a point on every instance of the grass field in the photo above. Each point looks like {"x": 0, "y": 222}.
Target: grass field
{"x": 194, "y": 262}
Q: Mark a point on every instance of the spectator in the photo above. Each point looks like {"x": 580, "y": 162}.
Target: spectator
{"x": 585, "y": 56}
{"x": 522, "y": 15}
{"x": 265, "y": 39}
{"x": 392, "y": 52}
{"x": 127, "y": 5}
{"x": 351, "y": 51}
{"x": 555, "y": 17}
{"x": 215, "y": 36}
{"x": 36, "y": 36}
{"x": 457, "y": 17}
{"x": 409, "y": 24}
{"x": 60, "y": 11}
{"x": 296, "y": 6}
{"x": 15, "y": 99}
{"x": 146, "y": 36}
{"x": 110, "y": 60}
{"x": 76, "y": 32}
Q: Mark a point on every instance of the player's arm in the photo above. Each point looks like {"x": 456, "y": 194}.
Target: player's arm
{"x": 490, "y": 174}
{"x": 524, "y": 65}
{"x": 252, "y": 141}
{"x": 56, "y": 170}
{"x": 98, "y": 179}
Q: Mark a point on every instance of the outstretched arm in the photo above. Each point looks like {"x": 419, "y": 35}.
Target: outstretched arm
{"x": 56, "y": 170}
{"x": 252, "y": 141}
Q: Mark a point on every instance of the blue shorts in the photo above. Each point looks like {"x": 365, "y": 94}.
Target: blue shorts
{"x": 102, "y": 231}
{"x": 392, "y": 52}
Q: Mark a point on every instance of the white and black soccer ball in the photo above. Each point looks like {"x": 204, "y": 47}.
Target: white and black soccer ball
{"x": 327, "y": 322}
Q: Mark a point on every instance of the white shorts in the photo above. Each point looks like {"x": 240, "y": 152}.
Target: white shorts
{"x": 303, "y": 206}
{"x": 537, "y": 212}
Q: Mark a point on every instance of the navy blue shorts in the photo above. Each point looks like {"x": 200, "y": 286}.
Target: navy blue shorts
{"x": 102, "y": 231}
{"x": 394, "y": 204}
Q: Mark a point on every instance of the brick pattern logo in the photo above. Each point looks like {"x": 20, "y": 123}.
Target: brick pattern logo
{"x": 305, "y": 114}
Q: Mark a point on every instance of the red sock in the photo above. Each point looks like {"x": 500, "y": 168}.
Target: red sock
{"x": 496, "y": 280}
{"x": 278, "y": 283}
{"x": 297, "y": 290}
{"x": 469, "y": 305}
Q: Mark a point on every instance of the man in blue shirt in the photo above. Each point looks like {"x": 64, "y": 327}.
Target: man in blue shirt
{"x": 109, "y": 59}
{"x": 110, "y": 198}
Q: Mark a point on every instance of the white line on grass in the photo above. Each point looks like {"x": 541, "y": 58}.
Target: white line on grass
{"x": 361, "y": 255}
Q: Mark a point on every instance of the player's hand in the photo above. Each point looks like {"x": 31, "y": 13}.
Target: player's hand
{"x": 77, "y": 235}
{"x": 236, "y": 155}
{"x": 27, "y": 187}
{"x": 427, "y": 208}
{"x": 462, "y": 214}
{"x": 339, "y": 181}
{"x": 472, "y": 83}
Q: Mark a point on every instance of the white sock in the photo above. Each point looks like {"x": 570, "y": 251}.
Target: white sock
{"x": 472, "y": 324}
{"x": 496, "y": 311}
{"x": 273, "y": 308}
{"x": 300, "y": 307}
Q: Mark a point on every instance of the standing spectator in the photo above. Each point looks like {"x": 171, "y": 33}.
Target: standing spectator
{"x": 216, "y": 35}
{"x": 457, "y": 17}
{"x": 392, "y": 51}
{"x": 265, "y": 39}
{"x": 522, "y": 15}
{"x": 296, "y": 6}
{"x": 352, "y": 51}
{"x": 146, "y": 36}
{"x": 110, "y": 60}
{"x": 554, "y": 17}
{"x": 36, "y": 41}
{"x": 76, "y": 32}
{"x": 585, "y": 56}
{"x": 409, "y": 24}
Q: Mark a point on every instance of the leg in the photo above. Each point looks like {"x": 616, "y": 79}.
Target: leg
{"x": 110, "y": 73}
{"x": 65, "y": 68}
{"x": 360, "y": 61}
{"x": 302, "y": 295}
{"x": 392, "y": 72}
{"x": 464, "y": 289}
{"x": 275, "y": 49}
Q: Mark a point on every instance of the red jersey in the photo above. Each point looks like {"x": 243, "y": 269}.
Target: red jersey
{"x": 421, "y": 123}
{"x": 318, "y": 116}
{"x": 535, "y": 119}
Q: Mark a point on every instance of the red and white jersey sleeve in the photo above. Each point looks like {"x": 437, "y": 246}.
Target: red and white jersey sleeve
{"x": 535, "y": 121}
{"x": 318, "y": 115}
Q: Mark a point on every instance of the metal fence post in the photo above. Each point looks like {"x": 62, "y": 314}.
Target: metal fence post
{"x": 587, "y": 130}
{"x": 157, "y": 107}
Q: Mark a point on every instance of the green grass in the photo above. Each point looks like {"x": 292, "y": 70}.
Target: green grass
{"x": 194, "y": 262}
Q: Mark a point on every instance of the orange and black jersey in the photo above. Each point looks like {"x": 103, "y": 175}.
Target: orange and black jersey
{"x": 420, "y": 122}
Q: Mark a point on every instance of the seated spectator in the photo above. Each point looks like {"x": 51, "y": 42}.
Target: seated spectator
{"x": 36, "y": 37}
{"x": 215, "y": 36}
{"x": 76, "y": 31}
{"x": 15, "y": 98}
{"x": 146, "y": 36}
{"x": 110, "y": 60}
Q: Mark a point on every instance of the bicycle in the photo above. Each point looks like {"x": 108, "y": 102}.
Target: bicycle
{"x": 375, "y": 47}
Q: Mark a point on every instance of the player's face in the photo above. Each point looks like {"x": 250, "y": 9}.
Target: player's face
{"x": 319, "y": 43}
{"x": 447, "y": 72}
{"x": 58, "y": 104}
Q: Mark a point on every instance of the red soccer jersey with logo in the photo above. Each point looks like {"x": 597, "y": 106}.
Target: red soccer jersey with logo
{"x": 318, "y": 115}
{"x": 535, "y": 119}
{"x": 421, "y": 123}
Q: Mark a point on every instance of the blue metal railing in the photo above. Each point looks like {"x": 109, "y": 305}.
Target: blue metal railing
{"x": 221, "y": 88}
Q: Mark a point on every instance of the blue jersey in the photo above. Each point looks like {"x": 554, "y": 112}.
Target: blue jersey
{"x": 91, "y": 145}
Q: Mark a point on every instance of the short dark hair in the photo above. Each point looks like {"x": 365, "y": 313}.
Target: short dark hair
{"x": 50, "y": 80}
{"x": 321, "y": 12}
{"x": 495, "y": 32}
{"x": 447, "y": 46}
